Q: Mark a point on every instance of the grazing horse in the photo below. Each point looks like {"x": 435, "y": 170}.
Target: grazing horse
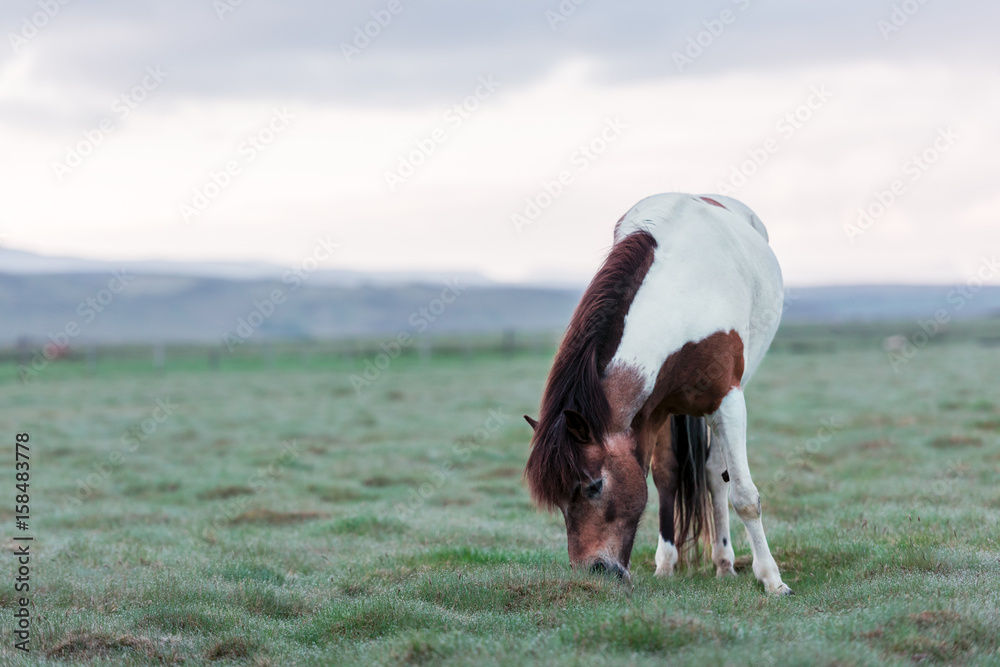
{"x": 663, "y": 341}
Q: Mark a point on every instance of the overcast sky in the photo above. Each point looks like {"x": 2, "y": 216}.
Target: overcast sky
{"x": 245, "y": 130}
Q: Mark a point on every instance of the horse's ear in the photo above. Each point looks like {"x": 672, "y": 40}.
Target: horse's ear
{"x": 531, "y": 422}
{"x": 578, "y": 427}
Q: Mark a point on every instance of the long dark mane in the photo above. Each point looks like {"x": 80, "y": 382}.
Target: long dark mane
{"x": 574, "y": 383}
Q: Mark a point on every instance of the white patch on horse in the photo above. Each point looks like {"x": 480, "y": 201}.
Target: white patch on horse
{"x": 712, "y": 271}
{"x": 666, "y": 558}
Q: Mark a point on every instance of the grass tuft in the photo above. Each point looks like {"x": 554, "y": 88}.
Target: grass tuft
{"x": 337, "y": 494}
{"x": 88, "y": 647}
{"x": 184, "y": 621}
{"x": 271, "y": 517}
{"x": 233, "y": 648}
{"x": 382, "y": 481}
{"x": 940, "y": 636}
{"x": 369, "y": 619}
{"x": 252, "y": 572}
{"x": 642, "y": 631}
{"x": 367, "y": 525}
{"x": 951, "y": 441}
{"x": 225, "y": 492}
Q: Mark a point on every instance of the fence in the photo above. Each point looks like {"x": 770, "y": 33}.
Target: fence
{"x": 30, "y": 358}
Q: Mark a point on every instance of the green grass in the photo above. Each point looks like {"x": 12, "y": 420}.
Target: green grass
{"x": 278, "y": 518}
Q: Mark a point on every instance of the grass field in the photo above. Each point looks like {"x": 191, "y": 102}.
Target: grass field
{"x": 276, "y": 517}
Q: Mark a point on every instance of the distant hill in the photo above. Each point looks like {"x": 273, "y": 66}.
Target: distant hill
{"x": 176, "y": 302}
{"x": 889, "y": 303}
{"x": 182, "y": 308}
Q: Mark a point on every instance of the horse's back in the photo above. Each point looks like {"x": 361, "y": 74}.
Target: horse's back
{"x": 713, "y": 271}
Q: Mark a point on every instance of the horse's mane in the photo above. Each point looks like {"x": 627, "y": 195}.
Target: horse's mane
{"x": 574, "y": 383}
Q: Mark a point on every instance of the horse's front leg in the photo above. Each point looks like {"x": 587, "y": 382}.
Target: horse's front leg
{"x": 666, "y": 487}
{"x": 729, "y": 426}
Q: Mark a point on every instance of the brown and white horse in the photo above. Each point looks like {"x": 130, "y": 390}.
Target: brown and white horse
{"x": 669, "y": 331}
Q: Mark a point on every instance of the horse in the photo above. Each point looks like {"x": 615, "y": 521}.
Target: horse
{"x": 650, "y": 374}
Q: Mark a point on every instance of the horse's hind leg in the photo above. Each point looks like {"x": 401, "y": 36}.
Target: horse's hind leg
{"x": 666, "y": 486}
{"x": 729, "y": 426}
{"x": 722, "y": 546}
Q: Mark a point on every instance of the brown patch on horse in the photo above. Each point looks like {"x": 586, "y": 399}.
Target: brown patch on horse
{"x": 623, "y": 385}
{"x": 709, "y": 200}
{"x": 574, "y": 383}
{"x": 694, "y": 379}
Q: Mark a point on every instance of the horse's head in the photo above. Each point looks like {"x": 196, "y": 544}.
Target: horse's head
{"x": 601, "y": 491}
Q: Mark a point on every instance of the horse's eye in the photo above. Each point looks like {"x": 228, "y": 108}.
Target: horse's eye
{"x": 594, "y": 488}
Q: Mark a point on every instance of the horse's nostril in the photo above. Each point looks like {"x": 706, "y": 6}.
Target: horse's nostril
{"x": 601, "y": 567}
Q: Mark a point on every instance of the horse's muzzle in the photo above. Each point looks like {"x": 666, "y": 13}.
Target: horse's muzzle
{"x": 606, "y": 568}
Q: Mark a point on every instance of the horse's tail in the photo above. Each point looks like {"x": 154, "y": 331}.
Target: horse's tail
{"x": 692, "y": 500}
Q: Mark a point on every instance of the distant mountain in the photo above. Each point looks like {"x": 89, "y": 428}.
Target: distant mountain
{"x": 190, "y": 309}
{"x": 892, "y": 303}
{"x": 203, "y": 302}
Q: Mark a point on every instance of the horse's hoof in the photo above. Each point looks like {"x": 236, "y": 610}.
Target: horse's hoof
{"x": 724, "y": 569}
{"x": 666, "y": 558}
{"x": 781, "y": 590}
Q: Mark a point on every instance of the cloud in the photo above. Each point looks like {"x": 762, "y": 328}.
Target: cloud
{"x": 687, "y": 130}
{"x": 431, "y": 49}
